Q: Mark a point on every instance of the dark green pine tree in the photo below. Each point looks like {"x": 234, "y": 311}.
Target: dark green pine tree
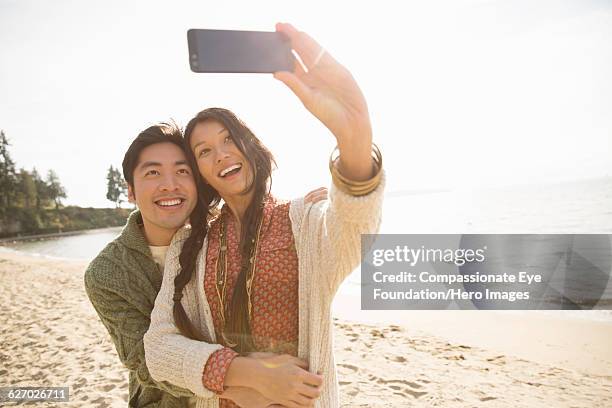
{"x": 122, "y": 186}
{"x": 27, "y": 189}
{"x": 55, "y": 189}
{"x": 42, "y": 192}
{"x": 116, "y": 188}
{"x": 8, "y": 177}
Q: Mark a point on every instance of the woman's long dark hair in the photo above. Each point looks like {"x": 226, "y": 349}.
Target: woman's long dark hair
{"x": 237, "y": 329}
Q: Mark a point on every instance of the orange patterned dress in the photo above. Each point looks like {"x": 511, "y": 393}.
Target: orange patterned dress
{"x": 274, "y": 324}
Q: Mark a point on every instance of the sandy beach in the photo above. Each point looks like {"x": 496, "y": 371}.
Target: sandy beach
{"x": 51, "y": 336}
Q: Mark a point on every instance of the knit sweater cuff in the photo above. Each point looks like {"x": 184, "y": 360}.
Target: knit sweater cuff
{"x": 193, "y": 367}
{"x": 360, "y": 206}
{"x": 217, "y": 365}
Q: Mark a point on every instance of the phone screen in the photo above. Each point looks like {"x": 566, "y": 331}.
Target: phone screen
{"x": 239, "y": 51}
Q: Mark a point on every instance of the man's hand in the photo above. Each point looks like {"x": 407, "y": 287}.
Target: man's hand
{"x": 261, "y": 354}
{"x": 246, "y": 397}
{"x": 282, "y": 379}
{"x": 285, "y": 380}
{"x": 316, "y": 195}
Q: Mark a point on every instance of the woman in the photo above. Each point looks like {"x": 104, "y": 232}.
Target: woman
{"x": 263, "y": 275}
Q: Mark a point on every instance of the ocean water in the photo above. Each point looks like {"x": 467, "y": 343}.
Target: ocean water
{"x": 583, "y": 207}
{"x": 577, "y": 207}
{"x": 83, "y": 246}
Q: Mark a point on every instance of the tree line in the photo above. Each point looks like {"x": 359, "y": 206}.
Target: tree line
{"x": 26, "y": 189}
{"x": 32, "y": 204}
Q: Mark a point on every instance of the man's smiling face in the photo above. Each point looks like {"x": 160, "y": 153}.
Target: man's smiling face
{"x": 163, "y": 189}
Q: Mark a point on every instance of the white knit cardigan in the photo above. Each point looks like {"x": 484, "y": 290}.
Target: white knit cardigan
{"x": 327, "y": 239}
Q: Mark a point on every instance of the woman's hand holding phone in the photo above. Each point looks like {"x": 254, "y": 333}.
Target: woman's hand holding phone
{"x": 329, "y": 91}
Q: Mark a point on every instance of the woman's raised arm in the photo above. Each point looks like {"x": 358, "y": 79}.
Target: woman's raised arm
{"x": 329, "y": 91}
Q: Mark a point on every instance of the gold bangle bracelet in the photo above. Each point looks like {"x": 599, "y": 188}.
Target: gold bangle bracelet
{"x": 369, "y": 181}
{"x": 353, "y": 190}
{"x": 376, "y": 155}
{"x": 356, "y": 188}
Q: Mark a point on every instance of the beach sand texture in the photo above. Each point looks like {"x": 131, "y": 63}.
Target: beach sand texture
{"x": 51, "y": 336}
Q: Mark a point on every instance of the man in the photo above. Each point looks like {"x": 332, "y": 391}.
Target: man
{"x": 122, "y": 282}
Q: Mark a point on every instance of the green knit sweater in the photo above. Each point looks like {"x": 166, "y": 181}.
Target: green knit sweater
{"x": 122, "y": 283}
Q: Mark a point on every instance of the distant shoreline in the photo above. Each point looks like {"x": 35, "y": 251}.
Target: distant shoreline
{"x": 37, "y": 237}
{"x": 22, "y": 224}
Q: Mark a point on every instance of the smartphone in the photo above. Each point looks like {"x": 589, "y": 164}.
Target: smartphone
{"x": 239, "y": 51}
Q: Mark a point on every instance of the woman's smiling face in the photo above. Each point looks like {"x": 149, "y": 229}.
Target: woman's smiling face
{"x": 220, "y": 162}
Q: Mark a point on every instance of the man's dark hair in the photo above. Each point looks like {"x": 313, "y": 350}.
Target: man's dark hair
{"x": 164, "y": 132}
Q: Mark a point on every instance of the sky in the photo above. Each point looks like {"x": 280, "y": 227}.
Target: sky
{"x": 462, "y": 94}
